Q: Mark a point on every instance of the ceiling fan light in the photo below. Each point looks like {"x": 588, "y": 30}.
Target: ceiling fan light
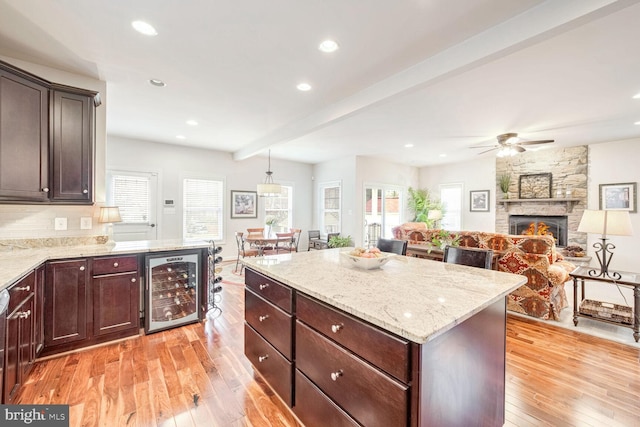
{"x": 512, "y": 140}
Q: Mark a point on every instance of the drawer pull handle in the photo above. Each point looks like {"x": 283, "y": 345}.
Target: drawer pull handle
{"x": 336, "y": 375}
{"x": 263, "y": 318}
{"x": 264, "y": 286}
{"x": 45, "y": 189}
{"x": 336, "y": 328}
{"x": 133, "y": 280}
{"x": 82, "y": 268}
{"x": 25, "y": 314}
{"x": 115, "y": 264}
{"x": 263, "y": 358}
{"x": 23, "y": 288}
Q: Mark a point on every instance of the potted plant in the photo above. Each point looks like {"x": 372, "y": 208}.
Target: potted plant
{"x": 504, "y": 181}
{"x": 443, "y": 238}
{"x": 339, "y": 242}
{"x": 420, "y": 203}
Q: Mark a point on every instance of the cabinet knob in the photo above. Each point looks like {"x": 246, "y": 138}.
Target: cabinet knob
{"x": 85, "y": 191}
{"x": 264, "y": 286}
{"x": 82, "y": 268}
{"x": 336, "y": 328}
{"x": 336, "y": 375}
{"x": 263, "y": 358}
{"x": 23, "y": 288}
{"x": 115, "y": 264}
{"x": 263, "y": 318}
{"x": 133, "y": 280}
{"x": 45, "y": 189}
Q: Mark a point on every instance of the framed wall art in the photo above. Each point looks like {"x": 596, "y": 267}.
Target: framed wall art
{"x": 479, "y": 201}
{"x": 619, "y": 197}
{"x": 534, "y": 186}
{"x": 244, "y": 204}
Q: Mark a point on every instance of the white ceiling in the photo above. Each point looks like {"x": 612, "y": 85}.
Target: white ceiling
{"x": 446, "y": 76}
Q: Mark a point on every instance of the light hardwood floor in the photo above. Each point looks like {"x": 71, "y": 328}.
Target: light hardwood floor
{"x": 555, "y": 377}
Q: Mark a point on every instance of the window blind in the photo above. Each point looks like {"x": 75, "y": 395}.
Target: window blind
{"x": 203, "y": 204}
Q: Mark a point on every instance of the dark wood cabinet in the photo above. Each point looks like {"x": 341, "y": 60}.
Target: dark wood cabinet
{"x": 24, "y": 172}
{"x": 47, "y": 134}
{"x": 116, "y": 296}
{"x": 20, "y": 346}
{"x": 72, "y": 130}
{"x": 38, "y": 317}
{"x": 66, "y": 302}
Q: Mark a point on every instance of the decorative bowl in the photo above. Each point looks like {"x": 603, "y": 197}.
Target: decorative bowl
{"x": 368, "y": 263}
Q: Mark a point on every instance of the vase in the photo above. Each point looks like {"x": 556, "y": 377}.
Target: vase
{"x": 505, "y": 195}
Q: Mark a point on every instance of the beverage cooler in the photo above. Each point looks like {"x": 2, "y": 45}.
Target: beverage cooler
{"x": 172, "y": 290}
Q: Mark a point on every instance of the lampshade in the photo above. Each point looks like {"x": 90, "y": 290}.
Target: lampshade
{"x": 434, "y": 214}
{"x": 616, "y": 223}
{"x": 269, "y": 188}
{"x": 109, "y": 214}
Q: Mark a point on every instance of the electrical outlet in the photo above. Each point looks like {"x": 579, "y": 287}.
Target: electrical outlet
{"x": 60, "y": 224}
{"x": 85, "y": 223}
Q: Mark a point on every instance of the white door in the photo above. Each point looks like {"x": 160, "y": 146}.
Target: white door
{"x": 135, "y": 193}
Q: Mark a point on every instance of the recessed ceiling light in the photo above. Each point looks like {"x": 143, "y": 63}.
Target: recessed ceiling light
{"x": 636, "y": 96}
{"x": 637, "y": 123}
{"x": 328, "y": 46}
{"x": 144, "y": 28}
{"x": 408, "y": 145}
{"x": 192, "y": 123}
{"x": 443, "y": 155}
{"x": 304, "y": 87}
{"x": 181, "y": 137}
{"x": 157, "y": 82}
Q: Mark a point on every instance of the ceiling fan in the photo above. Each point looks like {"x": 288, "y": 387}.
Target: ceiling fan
{"x": 509, "y": 144}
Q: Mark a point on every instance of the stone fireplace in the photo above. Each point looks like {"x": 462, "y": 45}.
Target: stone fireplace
{"x": 555, "y": 226}
{"x": 568, "y": 168}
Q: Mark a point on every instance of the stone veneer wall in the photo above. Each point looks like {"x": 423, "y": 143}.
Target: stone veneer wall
{"x": 569, "y": 170}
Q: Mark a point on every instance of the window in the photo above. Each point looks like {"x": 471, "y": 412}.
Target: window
{"x": 330, "y": 205}
{"x": 451, "y": 198}
{"x": 203, "y": 209}
{"x": 280, "y": 208}
{"x": 383, "y": 211}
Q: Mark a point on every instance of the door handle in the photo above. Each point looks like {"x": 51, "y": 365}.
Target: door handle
{"x": 152, "y": 225}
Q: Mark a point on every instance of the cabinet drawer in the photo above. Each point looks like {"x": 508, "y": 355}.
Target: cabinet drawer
{"x": 315, "y": 409}
{"x": 269, "y": 289}
{"x": 386, "y": 351}
{"x": 21, "y": 291}
{"x": 273, "y": 324}
{"x": 366, "y": 393}
{"x": 119, "y": 264}
{"x": 275, "y": 369}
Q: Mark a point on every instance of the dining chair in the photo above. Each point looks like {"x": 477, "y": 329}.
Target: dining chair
{"x": 296, "y": 237}
{"x": 242, "y": 251}
{"x": 472, "y": 257}
{"x": 392, "y": 245}
{"x": 285, "y": 242}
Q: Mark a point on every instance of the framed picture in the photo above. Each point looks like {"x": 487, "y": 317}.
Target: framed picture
{"x": 534, "y": 186}
{"x": 244, "y": 204}
{"x": 479, "y": 201}
{"x": 618, "y": 197}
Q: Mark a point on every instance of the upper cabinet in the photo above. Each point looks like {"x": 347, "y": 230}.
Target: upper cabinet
{"x": 47, "y": 136}
{"x": 24, "y": 134}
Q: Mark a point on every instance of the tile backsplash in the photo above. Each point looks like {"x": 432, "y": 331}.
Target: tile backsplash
{"x": 38, "y": 221}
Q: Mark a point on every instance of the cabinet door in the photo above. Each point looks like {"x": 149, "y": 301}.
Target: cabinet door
{"x": 72, "y": 147}
{"x": 66, "y": 302}
{"x": 19, "y": 348}
{"x": 115, "y": 303}
{"x": 23, "y": 139}
{"x": 38, "y": 311}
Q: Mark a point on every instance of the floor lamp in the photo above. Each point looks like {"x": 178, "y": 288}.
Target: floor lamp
{"x": 616, "y": 223}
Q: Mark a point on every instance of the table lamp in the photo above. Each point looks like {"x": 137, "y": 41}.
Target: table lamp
{"x": 109, "y": 215}
{"x": 434, "y": 215}
{"x": 616, "y": 223}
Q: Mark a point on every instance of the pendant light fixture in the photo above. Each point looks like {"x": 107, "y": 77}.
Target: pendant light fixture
{"x": 269, "y": 188}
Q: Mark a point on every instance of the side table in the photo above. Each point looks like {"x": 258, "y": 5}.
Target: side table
{"x": 628, "y": 317}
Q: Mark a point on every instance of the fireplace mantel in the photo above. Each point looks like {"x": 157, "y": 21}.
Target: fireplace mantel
{"x": 569, "y": 203}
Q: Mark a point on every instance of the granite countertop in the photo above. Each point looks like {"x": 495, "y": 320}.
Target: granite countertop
{"x": 417, "y": 299}
{"x": 17, "y": 262}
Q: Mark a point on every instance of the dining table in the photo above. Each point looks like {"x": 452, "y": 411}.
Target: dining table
{"x": 262, "y": 243}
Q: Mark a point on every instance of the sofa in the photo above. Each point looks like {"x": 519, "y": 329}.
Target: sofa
{"x": 536, "y": 257}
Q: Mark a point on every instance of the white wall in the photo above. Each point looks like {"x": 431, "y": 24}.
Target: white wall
{"x": 477, "y": 174}
{"x": 36, "y": 221}
{"x": 172, "y": 162}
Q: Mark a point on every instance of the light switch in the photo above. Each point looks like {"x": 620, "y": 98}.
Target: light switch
{"x": 60, "y": 224}
{"x": 85, "y": 223}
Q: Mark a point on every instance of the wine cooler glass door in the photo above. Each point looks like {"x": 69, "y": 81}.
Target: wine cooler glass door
{"x": 173, "y": 289}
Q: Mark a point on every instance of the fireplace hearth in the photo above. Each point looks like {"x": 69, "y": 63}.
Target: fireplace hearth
{"x": 541, "y": 225}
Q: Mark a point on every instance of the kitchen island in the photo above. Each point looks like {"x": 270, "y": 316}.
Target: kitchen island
{"x": 416, "y": 342}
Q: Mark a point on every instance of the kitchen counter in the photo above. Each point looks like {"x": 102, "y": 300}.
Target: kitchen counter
{"x": 17, "y": 262}
{"x": 414, "y": 298}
